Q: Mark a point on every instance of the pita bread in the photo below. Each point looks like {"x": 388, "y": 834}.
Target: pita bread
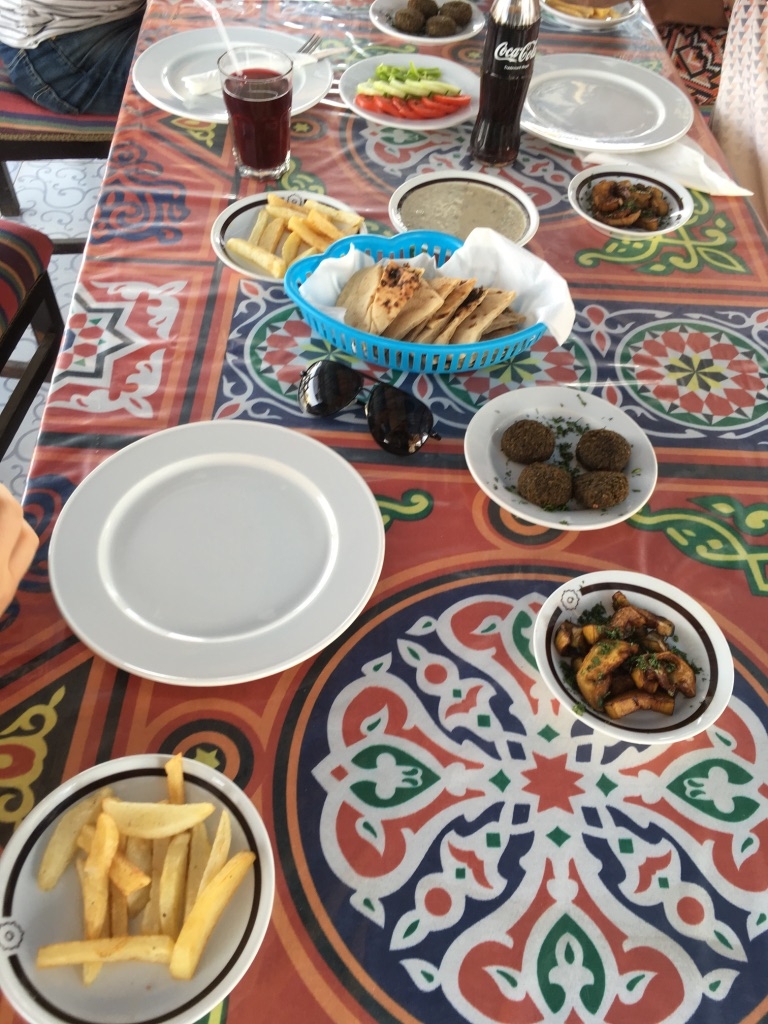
{"x": 470, "y": 303}
{"x": 494, "y": 302}
{"x": 357, "y": 295}
{"x": 419, "y": 308}
{"x": 454, "y": 290}
{"x": 397, "y": 285}
{"x": 505, "y": 323}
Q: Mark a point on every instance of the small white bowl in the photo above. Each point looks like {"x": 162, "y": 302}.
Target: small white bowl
{"x": 382, "y": 13}
{"x": 697, "y": 637}
{"x": 679, "y": 199}
{"x": 441, "y": 201}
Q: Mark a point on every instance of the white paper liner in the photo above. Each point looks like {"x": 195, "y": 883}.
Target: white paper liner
{"x": 542, "y": 295}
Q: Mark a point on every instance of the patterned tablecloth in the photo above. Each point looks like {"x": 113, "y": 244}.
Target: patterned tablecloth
{"x": 452, "y": 845}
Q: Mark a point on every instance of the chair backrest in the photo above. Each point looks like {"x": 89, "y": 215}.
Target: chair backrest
{"x": 26, "y": 300}
{"x": 29, "y": 132}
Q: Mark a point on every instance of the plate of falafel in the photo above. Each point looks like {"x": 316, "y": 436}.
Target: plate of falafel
{"x": 561, "y": 458}
{"x": 431, "y": 22}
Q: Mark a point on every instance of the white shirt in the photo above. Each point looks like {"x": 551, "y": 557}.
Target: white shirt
{"x": 25, "y": 23}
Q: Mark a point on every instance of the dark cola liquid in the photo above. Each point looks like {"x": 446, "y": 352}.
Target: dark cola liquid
{"x": 507, "y": 69}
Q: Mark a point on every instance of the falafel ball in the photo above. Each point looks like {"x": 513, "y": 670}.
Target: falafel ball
{"x": 603, "y": 449}
{"x": 528, "y": 441}
{"x": 600, "y": 488}
{"x": 459, "y": 10}
{"x": 427, "y": 8}
{"x": 545, "y": 485}
{"x": 409, "y": 20}
{"x": 441, "y": 25}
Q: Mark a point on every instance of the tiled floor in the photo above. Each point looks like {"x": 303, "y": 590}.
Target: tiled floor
{"x": 58, "y": 198}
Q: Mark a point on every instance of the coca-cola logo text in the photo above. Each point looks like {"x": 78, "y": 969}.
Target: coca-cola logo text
{"x": 516, "y": 54}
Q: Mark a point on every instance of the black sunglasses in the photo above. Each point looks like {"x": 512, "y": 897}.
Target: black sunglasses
{"x": 398, "y": 422}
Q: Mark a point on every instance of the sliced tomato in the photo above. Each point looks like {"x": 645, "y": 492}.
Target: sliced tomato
{"x": 452, "y": 102}
{"x": 365, "y": 102}
{"x": 430, "y": 108}
{"x": 386, "y": 105}
{"x": 403, "y": 108}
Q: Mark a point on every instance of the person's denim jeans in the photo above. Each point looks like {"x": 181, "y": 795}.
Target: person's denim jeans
{"x": 77, "y": 73}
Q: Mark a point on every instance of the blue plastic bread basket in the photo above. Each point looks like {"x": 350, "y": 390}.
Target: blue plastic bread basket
{"x": 407, "y": 356}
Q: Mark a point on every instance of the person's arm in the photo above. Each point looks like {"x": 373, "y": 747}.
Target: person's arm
{"x": 18, "y": 544}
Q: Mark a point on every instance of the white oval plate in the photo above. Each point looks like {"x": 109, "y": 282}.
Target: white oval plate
{"x": 383, "y": 11}
{"x": 216, "y": 553}
{"x": 623, "y": 11}
{"x": 238, "y": 220}
{"x": 590, "y": 102}
{"x": 679, "y": 199}
{"x": 159, "y": 71}
{"x": 462, "y": 182}
{"x": 134, "y": 992}
{"x": 497, "y": 475}
{"x": 697, "y": 636}
{"x": 452, "y": 73}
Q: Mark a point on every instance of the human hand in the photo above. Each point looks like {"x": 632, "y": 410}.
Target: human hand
{"x": 18, "y": 544}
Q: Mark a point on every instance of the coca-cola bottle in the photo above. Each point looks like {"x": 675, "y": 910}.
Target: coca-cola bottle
{"x": 510, "y": 46}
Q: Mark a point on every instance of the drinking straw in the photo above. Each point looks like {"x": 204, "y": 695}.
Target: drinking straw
{"x": 214, "y": 13}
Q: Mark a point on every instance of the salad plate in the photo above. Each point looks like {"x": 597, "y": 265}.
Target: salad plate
{"x": 450, "y": 71}
{"x": 697, "y": 637}
{"x": 216, "y": 553}
{"x": 159, "y": 72}
{"x": 137, "y": 992}
{"x": 569, "y": 412}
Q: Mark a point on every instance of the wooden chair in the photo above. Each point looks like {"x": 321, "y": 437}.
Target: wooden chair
{"x": 26, "y": 299}
{"x": 28, "y": 132}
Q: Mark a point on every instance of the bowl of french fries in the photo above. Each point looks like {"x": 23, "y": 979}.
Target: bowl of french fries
{"x": 261, "y": 236}
{"x": 633, "y": 657}
{"x": 578, "y": 15}
{"x": 139, "y": 890}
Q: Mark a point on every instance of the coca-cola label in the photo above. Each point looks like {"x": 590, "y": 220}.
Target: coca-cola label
{"x": 519, "y": 55}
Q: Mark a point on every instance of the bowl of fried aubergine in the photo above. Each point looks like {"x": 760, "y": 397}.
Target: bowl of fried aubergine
{"x": 627, "y": 201}
{"x": 633, "y": 657}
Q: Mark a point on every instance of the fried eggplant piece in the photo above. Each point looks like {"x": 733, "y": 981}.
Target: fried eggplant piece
{"x": 593, "y": 677}
{"x": 679, "y": 673}
{"x": 629, "y": 619}
{"x": 639, "y": 700}
{"x": 569, "y": 639}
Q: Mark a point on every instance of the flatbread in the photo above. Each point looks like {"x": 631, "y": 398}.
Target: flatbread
{"x": 494, "y": 302}
{"x": 470, "y": 303}
{"x": 397, "y": 285}
{"x": 507, "y": 322}
{"x": 419, "y": 308}
{"x": 455, "y": 291}
{"x": 357, "y": 295}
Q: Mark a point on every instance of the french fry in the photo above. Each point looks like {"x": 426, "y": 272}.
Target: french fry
{"x": 90, "y": 971}
{"x": 62, "y": 845}
{"x": 150, "y": 918}
{"x": 199, "y": 854}
{"x": 273, "y": 232}
{"x": 291, "y": 247}
{"x": 258, "y": 228}
{"x": 118, "y": 912}
{"x": 156, "y": 949}
{"x": 205, "y": 913}
{"x": 139, "y": 852}
{"x": 96, "y": 875}
{"x": 170, "y": 901}
{"x": 323, "y": 226}
{"x": 123, "y": 874}
{"x": 174, "y": 770}
{"x": 155, "y": 820}
{"x": 348, "y": 218}
{"x": 262, "y": 258}
{"x": 308, "y": 234}
{"x": 219, "y": 850}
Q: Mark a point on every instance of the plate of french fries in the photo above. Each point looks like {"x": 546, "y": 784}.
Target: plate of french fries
{"x": 139, "y": 890}
{"x": 600, "y": 16}
{"x": 261, "y": 236}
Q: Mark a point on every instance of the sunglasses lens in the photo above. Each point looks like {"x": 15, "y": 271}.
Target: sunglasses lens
{"x": 326, "y": 387}
{"x": 398, "y": 422}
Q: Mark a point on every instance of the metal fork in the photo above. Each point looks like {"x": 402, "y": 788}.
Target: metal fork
{"x": 311, "y": 44}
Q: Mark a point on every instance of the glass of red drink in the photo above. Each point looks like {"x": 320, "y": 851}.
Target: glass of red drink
{"x": 257, "y": 83}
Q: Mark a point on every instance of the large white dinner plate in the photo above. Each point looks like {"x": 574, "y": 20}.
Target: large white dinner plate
{"x": 382, "y": 13}
{"x": 129, "y": 993}
{"x": 159, "y": 70}
{"x": 603, "y": 103}
{"x": 697, "y": 637}
{"x": 451, "y": 72}
{"x": 569, "y": 412}
{"x": 620, "y": 11}
{"x": 215, "y": 553}
{"x": 239, "y": 219}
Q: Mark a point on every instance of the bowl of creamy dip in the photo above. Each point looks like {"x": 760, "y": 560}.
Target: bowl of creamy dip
{"x": 455, "y": 202}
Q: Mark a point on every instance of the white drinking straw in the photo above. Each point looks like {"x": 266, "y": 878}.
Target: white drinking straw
{"x": 214, "y": 13}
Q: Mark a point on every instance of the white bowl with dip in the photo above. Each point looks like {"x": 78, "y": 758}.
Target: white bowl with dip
{"x": 455, "y": 202}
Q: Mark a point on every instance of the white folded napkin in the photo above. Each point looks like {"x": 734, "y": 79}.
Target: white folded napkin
{"x": 684, "y": 160}
{"x": 206, "y": 82}
{"x": 542, "y": 295}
